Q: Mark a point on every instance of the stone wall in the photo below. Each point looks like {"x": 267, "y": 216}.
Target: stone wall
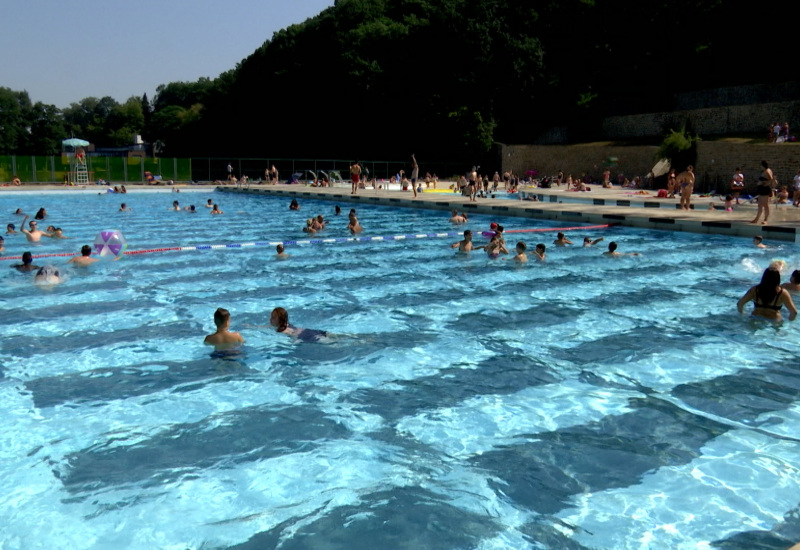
{"x": 716, "y": 160}
{"x": 734, "y": 119}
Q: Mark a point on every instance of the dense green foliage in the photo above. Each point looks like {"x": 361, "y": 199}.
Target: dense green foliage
{"x": 444, "y": 79}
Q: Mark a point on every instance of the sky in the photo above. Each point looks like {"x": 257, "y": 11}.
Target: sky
{"x": 62, "y": 52}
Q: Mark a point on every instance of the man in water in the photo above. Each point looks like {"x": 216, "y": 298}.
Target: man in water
{"x": 84, "y": 260}
{"x": 612, "y": 251}
{"x": 27, "y": 263}
{"x": 223, "y": 339}
{"x": 466, "y": 244}
{"x": 33, "y": 235}
{"x": 281, "y": 255}
{"x": 587, "y": 241}
{"x": 561, "y": 240}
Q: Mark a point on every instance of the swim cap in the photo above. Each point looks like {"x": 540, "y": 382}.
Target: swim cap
{"x": 493, "y": 225}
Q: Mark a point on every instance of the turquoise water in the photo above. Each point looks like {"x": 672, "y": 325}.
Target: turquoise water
{"x": 586, "y": 402}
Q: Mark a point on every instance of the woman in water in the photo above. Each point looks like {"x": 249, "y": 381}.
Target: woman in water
{"x": 768, "y": 297}
{"x": 280, "y": 320}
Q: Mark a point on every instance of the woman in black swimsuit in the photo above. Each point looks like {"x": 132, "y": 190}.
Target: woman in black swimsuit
{"x": 764, "y": 192}
{"x": 768, "y": 297}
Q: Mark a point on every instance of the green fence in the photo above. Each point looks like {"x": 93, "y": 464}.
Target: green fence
{"x": 53, "y": 169}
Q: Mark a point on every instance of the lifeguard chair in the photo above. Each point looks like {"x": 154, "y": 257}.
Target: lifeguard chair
{"x": 73, "y": 149}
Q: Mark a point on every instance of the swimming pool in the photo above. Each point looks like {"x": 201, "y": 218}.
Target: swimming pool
{"x": 587, "y": 402}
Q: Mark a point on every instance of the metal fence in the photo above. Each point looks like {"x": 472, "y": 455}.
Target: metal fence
{"x": 54, "y": 169}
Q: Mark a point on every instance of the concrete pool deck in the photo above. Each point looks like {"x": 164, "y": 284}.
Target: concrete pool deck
{"x": 598, "y": 206}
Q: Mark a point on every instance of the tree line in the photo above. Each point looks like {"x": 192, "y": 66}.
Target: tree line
{"x": 444, "y": 79}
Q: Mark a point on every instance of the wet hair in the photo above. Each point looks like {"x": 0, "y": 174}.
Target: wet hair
{"x": 467, "y": 232}
{"x": 765, "y": 164}
{"x": 541, "y": 247}
{"x": 279, "y": 248}
{"x": 122, "y": 206}
{"x": 499, "y": 228}
{"x": 191, "y": 208}
{"x": 560, "y": 235}
{"x": 221, "y": 316}
{"x": 795, "y": 277}
{"x": 767, "y": 289}
{"x": 587, "y": 239}
{"x": 11, "y": 226}
{"x": 758, "y": 238}
{"x": 521, "y": 245}
{"x": 612, "y": 246}
{"x": 282, "y": 317}
{"x": 27, "y": 258}
{"x": 175, "y": 203}
{"x": 86, "y": 250}
{"x": 209, "y": 201}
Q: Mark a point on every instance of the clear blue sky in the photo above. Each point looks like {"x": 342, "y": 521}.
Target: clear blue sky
{"x": 61, "y": 52}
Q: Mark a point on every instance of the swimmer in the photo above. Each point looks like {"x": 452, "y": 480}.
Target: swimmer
{"x": 2, "y": 244}
{"x": 19, "y": 212}
{"x": 612, "y": 251}
{"x": 561, "y": 240}
{"x": 540, "y": 252}
{"x": 793, "y": 285}
{"x": 768, "y": 297}
{"x": 175, "y": 206}
{"x": 41, "y": 214}
{"x": 33, "y": 235}
{"x": 318, "y": 223}
{"x": 124, "y": 208}
{"x": 309, "y": 228}
{"x": 55, "y": 233}
{"x": 190, "y": 209}
{"x": 223, "y": 339}
{"x": 464, "y": 245}
{"x": 215, "y": 210}
{"x": 11, "y": 229}
{"x": 84, "y": 259}
{"x": 456, "y": 218}
{"x": 778, "y": 265}
{"x": 758, "y": 242}
{"x": 280, "y": 320}
{"x": 337, "y": 210}
{"x": 281, "y": 255}
{"x": 209, "y": 204}
{"x": 47, "y": 276}
{"x": 587, "y": 241}
{"x": 520, "y": 256}
{"x": 27, "y": 263}
{"x": 495, "y": 248}
{"x": 354, "y": 226}
{"x": 294, "y": 205}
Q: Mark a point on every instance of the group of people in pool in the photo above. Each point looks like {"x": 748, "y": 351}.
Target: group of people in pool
{"x": 497, "y": 246}
{"x": 224, "y": 339}
{"x": 318, "y": 223}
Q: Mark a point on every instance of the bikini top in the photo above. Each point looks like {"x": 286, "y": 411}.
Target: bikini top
{"x": 774, "y": 305}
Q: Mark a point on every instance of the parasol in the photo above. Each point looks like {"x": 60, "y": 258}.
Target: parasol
{"x": 75, "y": 142}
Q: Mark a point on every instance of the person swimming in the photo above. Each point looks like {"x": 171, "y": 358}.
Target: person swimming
{"x": 279, "y": 318}
{"x": 47, "y": 275}
{"x": 223, "y": 339}
{"x": 768, "y": 297}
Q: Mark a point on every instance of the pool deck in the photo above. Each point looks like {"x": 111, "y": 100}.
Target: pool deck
{"x": 598, "y": 206}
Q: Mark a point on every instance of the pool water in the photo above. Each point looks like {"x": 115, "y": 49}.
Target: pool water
{"x": 584, "y": 402}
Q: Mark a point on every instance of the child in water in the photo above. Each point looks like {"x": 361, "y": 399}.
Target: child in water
{"x": 223, "y": 339}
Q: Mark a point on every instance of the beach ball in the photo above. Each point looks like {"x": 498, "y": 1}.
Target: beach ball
{"x": 110, "y": 243}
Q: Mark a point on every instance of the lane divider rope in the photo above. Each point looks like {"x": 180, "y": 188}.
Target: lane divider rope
{"x": 313, "y": 241}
